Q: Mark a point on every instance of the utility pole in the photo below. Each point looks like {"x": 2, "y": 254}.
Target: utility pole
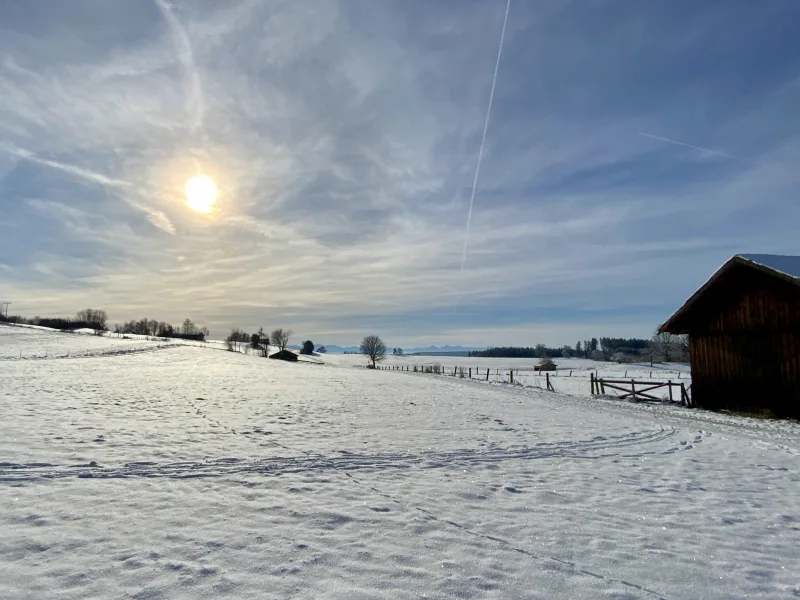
{"x": 6, "y": 305}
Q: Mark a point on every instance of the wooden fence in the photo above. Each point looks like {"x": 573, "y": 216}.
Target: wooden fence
{"x": 462, "y": 372}
{"x": 600, "y": 384}
{"x": 630, "y": 388}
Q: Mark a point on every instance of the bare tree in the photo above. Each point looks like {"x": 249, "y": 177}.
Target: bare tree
{"x": 188, "y": 327}
{"x": 93, "y": 316}
{"x": 664, "y": 344}
{"x": 235, "y": 338}
{"x": 684, "y": 352}
{"x": 280, "y": 338}
{"x": 546, "y": 364}
{"x": 373, "y": 347}
{"x": 152, "y": 325}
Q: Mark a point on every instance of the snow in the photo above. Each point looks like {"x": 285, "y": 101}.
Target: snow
{"x": 184, "y": 473}
{"x": 789, "y": 265}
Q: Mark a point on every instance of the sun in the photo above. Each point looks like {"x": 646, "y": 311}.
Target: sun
{"x": 201, "y": 193}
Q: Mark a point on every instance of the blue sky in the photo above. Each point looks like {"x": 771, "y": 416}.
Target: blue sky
{"x": 343, "y": 137}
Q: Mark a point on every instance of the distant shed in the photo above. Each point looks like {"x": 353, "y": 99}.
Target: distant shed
{"x": 744, "y": 336}
{"x": 287, "y": 355}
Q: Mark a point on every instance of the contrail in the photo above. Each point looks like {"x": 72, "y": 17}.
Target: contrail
{"x": 195, "y": 102}
{"x": 483, "y": 140}
{"x": 156, "y": 217}
{"x": 706, "y": 150}
{"x": 86, "y": 174}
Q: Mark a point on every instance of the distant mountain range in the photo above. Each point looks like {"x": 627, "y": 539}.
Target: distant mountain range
{"x": 429, "y": 350}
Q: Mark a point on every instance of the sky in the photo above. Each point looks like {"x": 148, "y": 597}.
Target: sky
{"x": 632, "y": 147}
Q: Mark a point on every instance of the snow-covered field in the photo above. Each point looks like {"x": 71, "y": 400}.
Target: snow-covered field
{"x": 571, "y": 377}
{"x": 27, "y": 343}
{"x": 184, "y": 473}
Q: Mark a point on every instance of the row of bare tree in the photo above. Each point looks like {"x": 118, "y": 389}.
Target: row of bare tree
{"x": 162, "y": 329}
{"x": 258, "y": 341}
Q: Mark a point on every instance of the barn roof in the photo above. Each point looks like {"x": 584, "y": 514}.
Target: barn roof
{"x": 284, "y": 355}
{"x": 783, "y": 267}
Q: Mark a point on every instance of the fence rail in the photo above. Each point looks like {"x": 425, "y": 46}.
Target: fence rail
{"x": 599, "y": 385}
{"x": 501, "y": 376}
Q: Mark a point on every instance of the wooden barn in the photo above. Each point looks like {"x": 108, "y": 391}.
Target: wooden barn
{"x": 744, "y": 336}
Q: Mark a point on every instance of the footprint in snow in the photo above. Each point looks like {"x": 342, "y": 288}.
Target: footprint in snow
{"x": 513, "y": 490}
{"x": 380, "y": 509}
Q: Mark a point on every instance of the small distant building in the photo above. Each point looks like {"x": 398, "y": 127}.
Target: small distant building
{"x": 744, "y": 336}
{"x": 286, "y": 355}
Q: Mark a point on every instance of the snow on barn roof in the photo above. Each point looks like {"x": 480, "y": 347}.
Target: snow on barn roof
{"x": 788, "y": 265}
{"x": 784, "y": 267}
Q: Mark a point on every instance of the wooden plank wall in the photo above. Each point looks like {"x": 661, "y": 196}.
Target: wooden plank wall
{"x": 746, "y": 353}
{"x": 752, "y": 373}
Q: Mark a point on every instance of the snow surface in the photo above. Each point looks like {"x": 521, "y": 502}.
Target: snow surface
{"x": 789, "y": 265}
{"x": 184, "y": 473}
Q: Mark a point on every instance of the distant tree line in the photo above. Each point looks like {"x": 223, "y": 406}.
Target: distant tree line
{"x": 186, "y": 331}
{"x": 664, "y": 347}
{"x": 93, "y": 318}
{"x": 89, "y": 318}
{"x": 538, "y": 351}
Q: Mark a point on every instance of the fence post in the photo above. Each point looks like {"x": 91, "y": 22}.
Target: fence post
{"x": 487, "y": 373}
{"x": 511, "y": 375}
{"x": 470, "y": 372}
{"x": 670, "y": 389}
{"x": 683, "y": 394}
{"x": 591, "y": 381}
{"x": 633, "y": 388}
{"x": 547, "y": 378}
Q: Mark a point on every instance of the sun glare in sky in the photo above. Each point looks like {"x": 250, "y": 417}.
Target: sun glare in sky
{"x": 201, "y": 193}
